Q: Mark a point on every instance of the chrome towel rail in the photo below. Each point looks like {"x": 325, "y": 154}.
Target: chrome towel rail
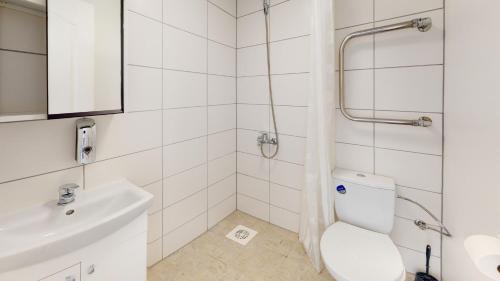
{"x": 423, "y": 25}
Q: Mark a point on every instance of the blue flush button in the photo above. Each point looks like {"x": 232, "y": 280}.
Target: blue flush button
{"x": 341, "y": 189}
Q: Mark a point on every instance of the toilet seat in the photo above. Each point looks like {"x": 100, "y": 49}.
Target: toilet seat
{"x": 352, "y": 253}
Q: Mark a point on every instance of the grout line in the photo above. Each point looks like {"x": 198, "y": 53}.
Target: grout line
{"x": 251, "y": 197}
{"x": 222, "y": 9}
{"x": 254, "y": 12}
{"x": 412, "y": 220}
{"x": 278, "y": 160}
{"x": 418, "y": 251}
{"x": 392, "y": 67}
{"x": 223, "y": 179}
{"x": 222, "y": 201}
{"x": 207, "y": 113}
{"x": 185, "y": 223}
{"x": 388, "y": 19}
{"x": 388, "y": 148}
{"x": 41, "y": 174}
{"x": 443, "y": 129}
{"x": 22, "y": 52}
{"x": 282, "y": 105}
{"x": 163, "y": 103}
{"x": 273, "y": 74}
{"x": 236, "y": 100}
{"x": 275, "y": 41}
{"x": 281, "y": 134}
{"x": 392, "y": 110}
{"x": 186, "y": 197}
{"x": 374, "y": 128}
{"x": 419, "y": 189}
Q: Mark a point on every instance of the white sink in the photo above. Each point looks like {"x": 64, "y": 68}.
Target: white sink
{"x": 46, "y": 231}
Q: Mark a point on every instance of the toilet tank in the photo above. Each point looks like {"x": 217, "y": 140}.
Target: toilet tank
{"x": 365, "y": 200}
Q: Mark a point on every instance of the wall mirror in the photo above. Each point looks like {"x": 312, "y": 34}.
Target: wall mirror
{"x": 85, "y": 57}
{"x": 60, "y": 58}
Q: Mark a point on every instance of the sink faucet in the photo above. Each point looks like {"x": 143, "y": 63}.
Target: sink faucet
{"x": 67, "y": 193}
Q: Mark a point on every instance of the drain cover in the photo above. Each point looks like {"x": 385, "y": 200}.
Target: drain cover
{"x": 242, "y": 234}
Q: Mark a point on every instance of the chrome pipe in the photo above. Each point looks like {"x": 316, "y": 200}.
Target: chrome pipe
{"x": 423, "y": 25}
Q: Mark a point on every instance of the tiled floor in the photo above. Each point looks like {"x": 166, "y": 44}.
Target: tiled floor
{"x": 274, "y": 254}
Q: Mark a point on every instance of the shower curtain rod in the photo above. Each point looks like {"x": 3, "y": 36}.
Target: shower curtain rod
{"x": 423, "y": 25}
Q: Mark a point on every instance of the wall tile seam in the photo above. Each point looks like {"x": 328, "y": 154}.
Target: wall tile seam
{"x": 221, "y": 180}
{"x": 222, "y": 9}
{"x": 202, "y": 189}
{"x": 221, "y": 202}
{"x": 413, "y": 219}
{"x": 391, "y": 110}
{"x": 273, "y": 74}
{"x": 389, "y": 148}
{"x": 207, "y": 37}
{"x": 276, "y": 159}
{"x": 389, "y": 19}
{"x": 259, "y": 131}
{"x": 416, "y": 251}
{"x": 268, "y": 181}
{"x": 164, "y": 234}
{"x": 275, "y": 41}
{"x": 184, "y": 198}
{"x": 285, "y": 209}
{"x": 261, "y": 10}
{"x": 277, "y": 105}
{"x": 270, "y": 160}
{"x": 181, "y": 70}
{"x": 42, "y": 174}
{"x": 198, "y": 137}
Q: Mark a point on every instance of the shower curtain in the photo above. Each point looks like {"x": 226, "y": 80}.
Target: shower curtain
{"x": 317, "y": 211}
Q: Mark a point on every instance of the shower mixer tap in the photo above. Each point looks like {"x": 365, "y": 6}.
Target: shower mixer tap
{"x": 263, "y": 138}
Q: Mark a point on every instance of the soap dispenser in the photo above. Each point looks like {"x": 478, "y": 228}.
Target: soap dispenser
{"x": 85, "y": 140}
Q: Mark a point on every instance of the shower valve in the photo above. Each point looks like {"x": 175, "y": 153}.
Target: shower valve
{"x": 263, "y": 138}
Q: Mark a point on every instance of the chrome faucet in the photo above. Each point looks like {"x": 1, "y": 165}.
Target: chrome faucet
{"x": 67, "y": 193}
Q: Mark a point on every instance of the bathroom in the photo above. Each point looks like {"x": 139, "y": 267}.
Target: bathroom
{"x": 158, "y": 140}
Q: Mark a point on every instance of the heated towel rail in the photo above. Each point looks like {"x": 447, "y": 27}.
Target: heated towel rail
{"x": 423, "y": 25}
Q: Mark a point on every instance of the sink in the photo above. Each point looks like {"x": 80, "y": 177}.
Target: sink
{"x": 46, "y": 231}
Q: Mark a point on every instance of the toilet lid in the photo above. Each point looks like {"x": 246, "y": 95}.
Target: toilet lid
{"x": 351, "y": 253}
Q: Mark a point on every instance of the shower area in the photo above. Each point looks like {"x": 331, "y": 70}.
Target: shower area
{"x": 255, "y": 124}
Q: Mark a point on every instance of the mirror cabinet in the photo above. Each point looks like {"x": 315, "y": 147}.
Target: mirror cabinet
{"x": 60, "y": 58}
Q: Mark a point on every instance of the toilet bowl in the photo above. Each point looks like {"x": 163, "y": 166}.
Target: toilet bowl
{"x": 351, "y": 253}
{"x": 358, "y": 246}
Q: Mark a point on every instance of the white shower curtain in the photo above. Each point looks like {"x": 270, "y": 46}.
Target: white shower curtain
{"x": 317, "y": 211}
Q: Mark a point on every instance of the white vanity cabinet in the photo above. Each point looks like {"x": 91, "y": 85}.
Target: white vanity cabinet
{"x": 121, "y": 256}
{"x": 100, "y": 236}
{"x": 70, "y": 274}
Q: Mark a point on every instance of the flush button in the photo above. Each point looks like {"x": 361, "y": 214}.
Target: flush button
{"x": 341, "y": 189}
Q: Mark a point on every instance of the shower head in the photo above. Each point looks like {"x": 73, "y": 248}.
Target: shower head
{"x": 422, "y": 24}
{"x": 267, "y": 5}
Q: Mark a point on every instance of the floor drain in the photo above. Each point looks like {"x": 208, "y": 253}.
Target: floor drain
{"x": 242, "y": 234}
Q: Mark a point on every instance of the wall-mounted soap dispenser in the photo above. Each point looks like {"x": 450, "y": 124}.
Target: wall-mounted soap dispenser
{"x": 85, "y": 140}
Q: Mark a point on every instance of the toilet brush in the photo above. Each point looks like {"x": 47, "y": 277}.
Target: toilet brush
{"x": 425, "y": 276}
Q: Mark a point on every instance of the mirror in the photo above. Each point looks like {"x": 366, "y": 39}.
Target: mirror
{"x": 23, "y": 60}
{"x": 85, "y": 57}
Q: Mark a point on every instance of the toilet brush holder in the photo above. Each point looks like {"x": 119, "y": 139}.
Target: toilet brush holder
{"x": 425, "y": 276}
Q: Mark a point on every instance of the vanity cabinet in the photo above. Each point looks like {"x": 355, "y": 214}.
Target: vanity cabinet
{"x": 70, "y": 274}
{"x": 121, "y": 256}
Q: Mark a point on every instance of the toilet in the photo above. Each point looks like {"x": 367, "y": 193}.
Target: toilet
{"x": 358, "y": 247}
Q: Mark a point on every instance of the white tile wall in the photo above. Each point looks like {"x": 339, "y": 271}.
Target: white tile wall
{"x": 270, "y": 190}
{"x": 396, "y": 75}
{"x": 170, "y": 51}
